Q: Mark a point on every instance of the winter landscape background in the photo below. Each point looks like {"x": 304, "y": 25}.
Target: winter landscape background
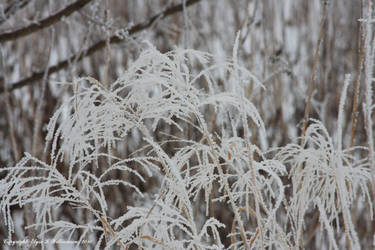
{"x": 189, "y": 124}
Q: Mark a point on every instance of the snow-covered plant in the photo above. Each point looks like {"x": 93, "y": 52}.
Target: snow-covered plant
{"x": 216, "y": 164}
{"x": 326, "y": 176}
{"x": 156, "y": 89}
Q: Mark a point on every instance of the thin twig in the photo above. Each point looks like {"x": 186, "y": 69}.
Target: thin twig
{"x": 312, "y": 80}
{"x": 38, "y": 113}
{"x": 110, "y": 229}
{"x": 232, "y": 238}
{"x": 356, "y": 81}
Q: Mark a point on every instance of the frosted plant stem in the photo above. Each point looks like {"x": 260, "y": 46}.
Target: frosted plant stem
{"x": 356, "y": 82}
{"x": 226, "y": 186}
{"x": 339, "y": 185}
{"x": 102, "y": 219}
{"x": 312, "y": 79}
{"x": 38, "y": 113}
{"x": 253, "y": 178}
{"x": 37, "y": 128}
{"x": 369, "y": 106}
{"x": 169, "y": 174}
{"x": 345, "y": 216}
{"x": 310, "y": 93}
{"x": 248, "y": 147}
{"x": 108, "y": 227}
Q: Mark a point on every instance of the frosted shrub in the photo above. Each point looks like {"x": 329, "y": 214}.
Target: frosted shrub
{"x": 326, "y": 176}
{"x": 217, "y": 163}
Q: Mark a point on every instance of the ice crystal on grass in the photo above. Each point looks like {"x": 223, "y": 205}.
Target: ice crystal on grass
{"x": 217, "y": 165}
{"x": 326, "y": 176}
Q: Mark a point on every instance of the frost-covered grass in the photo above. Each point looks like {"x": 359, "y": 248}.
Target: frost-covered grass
{"x": 214, "y": 162}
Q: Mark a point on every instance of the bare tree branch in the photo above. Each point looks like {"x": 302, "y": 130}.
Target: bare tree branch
{"x": 98, "y": 46}
{"x": 34, "y": 27}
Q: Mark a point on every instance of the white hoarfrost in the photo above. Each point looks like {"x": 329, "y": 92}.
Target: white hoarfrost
{"x": 223, "y": 165}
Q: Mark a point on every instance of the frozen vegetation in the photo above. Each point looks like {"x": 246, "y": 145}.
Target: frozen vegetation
{"x": 181, "y": 150}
